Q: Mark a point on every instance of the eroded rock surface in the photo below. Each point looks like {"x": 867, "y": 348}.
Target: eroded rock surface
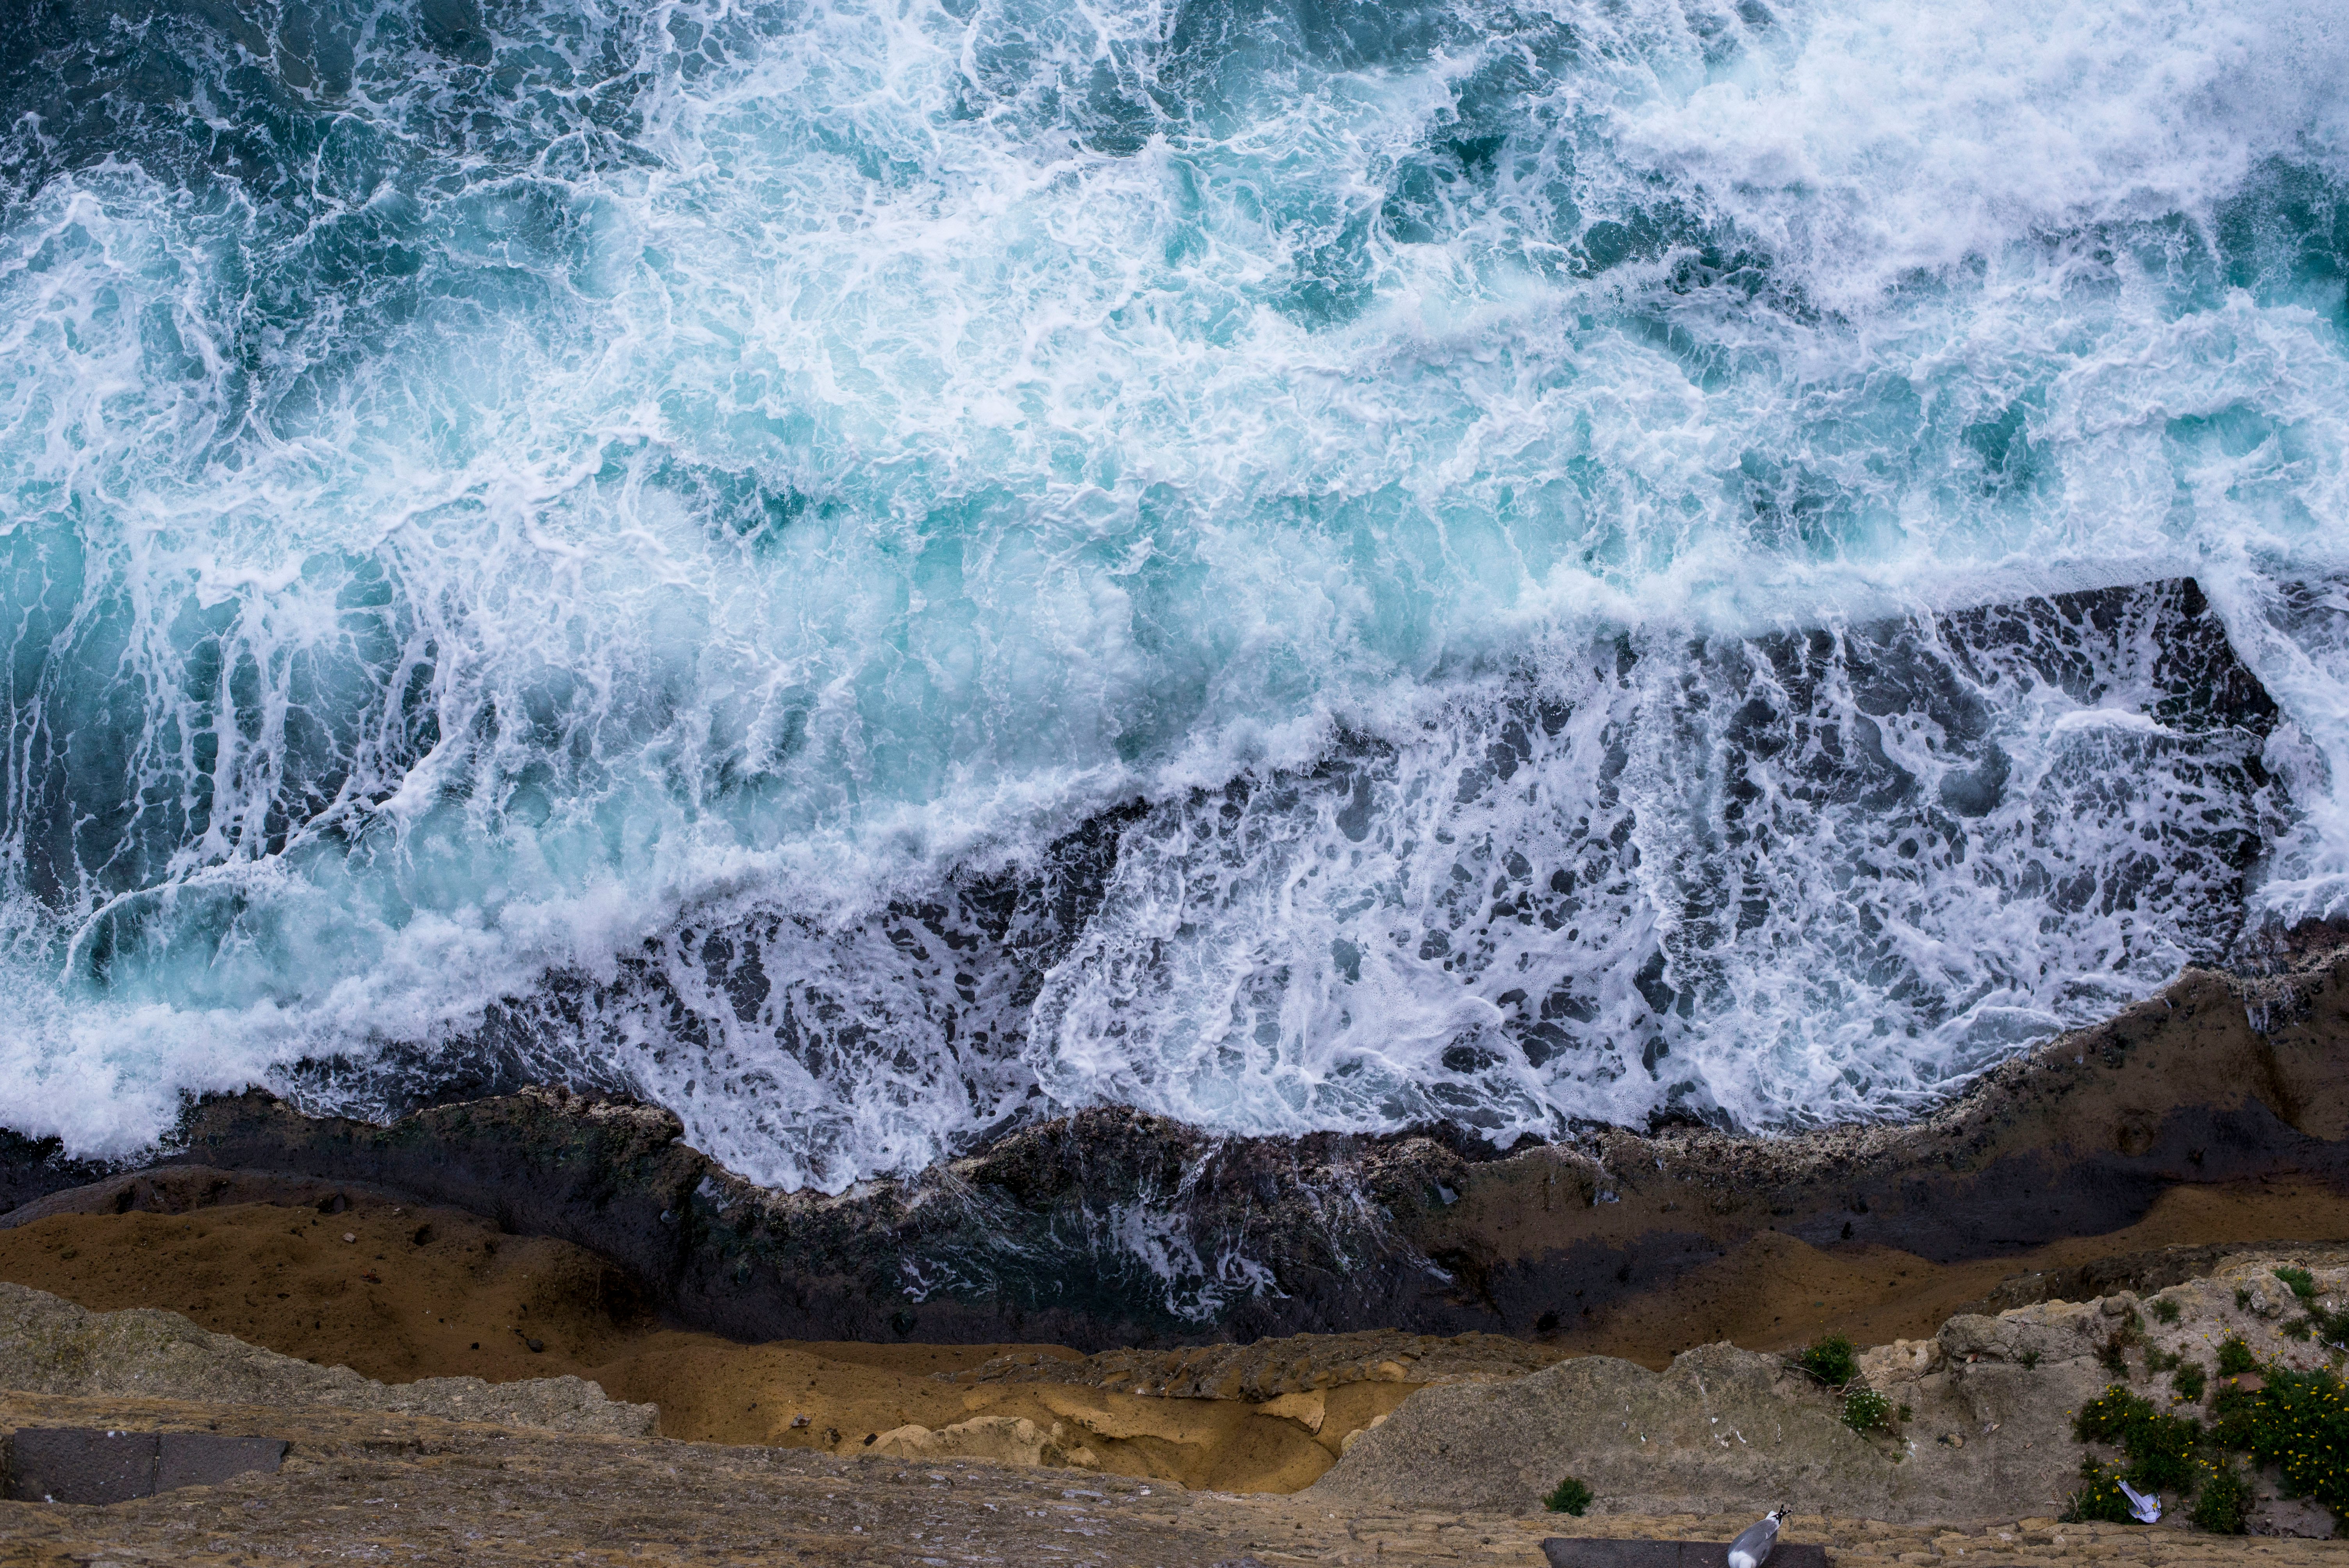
{"x": 49, "y": 1345}
{"x": 1985, "y": 1429}
{"x": 410, "y": 1488}
{"x": 1271, "y": 1368}
{"x": 1718, "y": 1428}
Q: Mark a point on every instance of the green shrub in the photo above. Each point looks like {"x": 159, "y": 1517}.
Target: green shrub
{"x": 2115, "y": 1359}
{"x": 2235, "y": 1357}
{"x": 2299, "y": 1329}
{"x": 2303, "y": 1283}
{"x": 2333, "y": 1327}
{"x": 1569, "y": 1496}
{"x": 2242, "y": 1297}
{"x": 2106, "y": 1418}
{"x": 1866, "y": 1411}
{"x": 1830, "y": 1360}
{"x": 2030, "y": 1358}
{"x": 2160, "y": 1447}
{"x": 2234, "y": 1414}
{"x": 2161, "y": 1453}
{"x": 2165, "y": 1309}
{"x": 2189, "y": 1379}
{"x": 2099, "y": 1499}
{"x": 2223, "y": 1506}
{"x": 2300, "y": 1424}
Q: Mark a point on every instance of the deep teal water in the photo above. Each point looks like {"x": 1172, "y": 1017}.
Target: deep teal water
{"x": 869, "y": 570}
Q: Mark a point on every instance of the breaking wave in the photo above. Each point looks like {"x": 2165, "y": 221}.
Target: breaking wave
{"x": 867, "y": 571}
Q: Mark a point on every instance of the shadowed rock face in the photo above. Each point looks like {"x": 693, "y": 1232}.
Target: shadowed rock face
{"x": 1113, "y": 1228}
{"x": 33, "y": 1168}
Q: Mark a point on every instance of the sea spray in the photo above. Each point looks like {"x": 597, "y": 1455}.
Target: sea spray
{"x": 868, "y": 572}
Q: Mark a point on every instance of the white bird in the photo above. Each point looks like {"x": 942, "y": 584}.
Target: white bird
{"x": 1754, "y": 1545}
{"x": 2146, "y": 1508}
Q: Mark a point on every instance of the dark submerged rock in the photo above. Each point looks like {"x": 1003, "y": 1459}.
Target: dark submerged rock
{"x": 1115, "y": 1228}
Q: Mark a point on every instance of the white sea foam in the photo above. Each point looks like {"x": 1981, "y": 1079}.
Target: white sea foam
{"x": 623, "y": 544}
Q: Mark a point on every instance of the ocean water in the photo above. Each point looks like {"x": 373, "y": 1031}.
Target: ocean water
{"x": 868, "y": 571}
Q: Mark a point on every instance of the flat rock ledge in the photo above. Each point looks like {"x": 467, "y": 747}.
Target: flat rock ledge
{"x": 1110, "y": 1228}
{"x": 49, "y": 1345}
{"x": 416, "y": 1489}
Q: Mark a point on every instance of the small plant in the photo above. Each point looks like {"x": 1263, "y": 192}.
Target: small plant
{"x": 2300, "y": 1424}
{"x": 2030, "y": 1358}
{"x": 1571, "y": 1496}
{"x": 2166, "y": 1309}
{"x": 2234, "y": 1416}
{"x": 2160, "y": 1361}
{"x": 2299, "y": 1329}
{"x": 2115, "y": 1359}
{"x": 1866, "y": 1411}
{"x": 2301, "y": 1282}
{"x": 2332, "y": 1327}
{"x": 2099, "y": 1499}
{"x": 2235, "y": 1357}
{"x": 1831, "y": 1360}
{"x": 2224, "y": 1505}
{"x": 1905, "y": 1412}
{"x": 2242, "y": 1298}
{"x": 2160, "y": 1447}
{"x": 2189, "y": 1380}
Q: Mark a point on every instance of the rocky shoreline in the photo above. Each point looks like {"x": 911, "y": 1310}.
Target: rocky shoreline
{"x": 1108, "y": 1228}
{"x": 1983, "y": 1457}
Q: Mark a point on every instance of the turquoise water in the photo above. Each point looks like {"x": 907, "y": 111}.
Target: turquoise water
{"x": 867, "y": 571}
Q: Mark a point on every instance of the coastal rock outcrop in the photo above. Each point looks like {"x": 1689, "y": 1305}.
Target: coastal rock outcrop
{"x": 1111, "y": 1228}
{"x": 1981, "y": 1424}
{"x": 49, "y": 1345}
{"x": 1718, "y": 1428}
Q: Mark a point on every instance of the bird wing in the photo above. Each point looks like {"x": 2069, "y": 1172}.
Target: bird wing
{"x": 1756, "y": 1540}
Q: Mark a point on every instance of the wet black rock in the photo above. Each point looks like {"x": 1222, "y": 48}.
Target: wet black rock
{"x": 33, "y": 1168}
{"x": 1113, "y": 1228}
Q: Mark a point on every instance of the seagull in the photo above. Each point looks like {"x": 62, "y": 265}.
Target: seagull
{"x": 2146, "y": 1508}
{"x": 1754, "y": 1545}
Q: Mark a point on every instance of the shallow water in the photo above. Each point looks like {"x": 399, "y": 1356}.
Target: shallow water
{"x": 865, "y": 572}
